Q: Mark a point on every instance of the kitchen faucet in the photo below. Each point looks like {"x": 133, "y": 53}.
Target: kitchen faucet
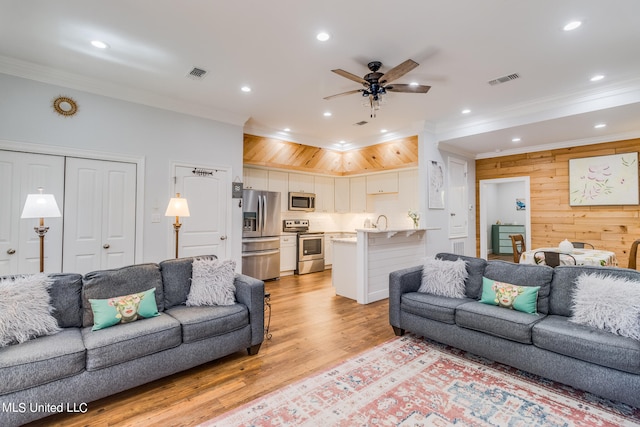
{"x": 386, "y": 221}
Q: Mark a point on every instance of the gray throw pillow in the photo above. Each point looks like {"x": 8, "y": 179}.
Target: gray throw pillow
{"x": 25, "y": 310}
{"x": 444, "y": 278}
{"x": 608, "y": 303}
{"x": 212, "y": 282}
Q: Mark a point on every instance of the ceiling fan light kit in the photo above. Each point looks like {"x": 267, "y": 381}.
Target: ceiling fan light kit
{"x": 377, "y": 84}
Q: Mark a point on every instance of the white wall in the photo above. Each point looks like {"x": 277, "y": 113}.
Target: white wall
{"x": 107, "y": 125}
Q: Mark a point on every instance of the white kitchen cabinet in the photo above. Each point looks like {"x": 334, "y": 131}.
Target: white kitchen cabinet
{"x": 382, "y": 183}
{"x": 279, "y": 182}
{"x": 408, "y": 191}
{"x": 255, "y": 179}
{"x": 287, "y": 254}
{"x": 358, "y": 194}
{"x": 325, "y": 193}
{"x": 342, "y": 197}
{"x": 301, "y": 183}
{"x": 328, "y": 245}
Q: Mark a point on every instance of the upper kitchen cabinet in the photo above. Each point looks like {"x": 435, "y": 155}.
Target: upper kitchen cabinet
{"x": 279, "y": 182}
{"x": 255, "y": 179}
{"x": 325, "y": 193}
{"x": 382, "y": 183}
{"x": 301, "y": 183}
{"x": 357, "y": 188}
{"x": 342, "y": 195}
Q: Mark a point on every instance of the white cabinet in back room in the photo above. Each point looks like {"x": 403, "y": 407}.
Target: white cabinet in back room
{"x": 301, "y": 183}
{"x": 382, "y": 183}
{"x": 325, "y": 193}
{"x": 342, "y": 195}
{"x": 279, "y": 182}
{"x": 287, "y": 254}
{"x": 255, "y": 179}
{"x": 358, "y": 194}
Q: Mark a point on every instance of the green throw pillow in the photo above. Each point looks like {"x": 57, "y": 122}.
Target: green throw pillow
{"x": 124, "y": 309}
{"x": 520, "y": 298}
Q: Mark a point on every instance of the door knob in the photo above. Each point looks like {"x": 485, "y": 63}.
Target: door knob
{"x": 11, "y": 251}
{"x": 223, "y": 237}
{"x": 106, "y": 246}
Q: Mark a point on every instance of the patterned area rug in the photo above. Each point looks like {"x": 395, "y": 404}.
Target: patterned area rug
{"x": 410, "y": 381}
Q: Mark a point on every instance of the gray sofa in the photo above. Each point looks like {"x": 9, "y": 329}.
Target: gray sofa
{"x": 546, "y": 344}
{"x": 65, "y": 371}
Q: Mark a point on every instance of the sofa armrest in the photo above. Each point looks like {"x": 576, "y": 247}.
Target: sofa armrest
{"x": 250, "y": 292}
{"x": 402, "y": 282}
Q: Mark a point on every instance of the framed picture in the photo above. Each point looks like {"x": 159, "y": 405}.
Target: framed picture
{"x": 521, "y": 205}
{"x": 435, "y": 171}
{"x": 604, "y": 180}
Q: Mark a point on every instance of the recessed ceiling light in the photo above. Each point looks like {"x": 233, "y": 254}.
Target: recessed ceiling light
{"x": 323, "y": 37}
{"x": 342, "y": 142}
{"x": 516, "y": 140}
{"x": 99, "y": 44}
{"x": 600, "y": 126}
{"x": 383, "y": 131}
{"x": 327, "y": 114}
{"x": 597, "y": 77}
{"x": 572, "y": 25}
{"x": 286, "y": 129}
{"x": 466, "y": 111}
{"x": 245, "y": 89}
{"x": 414, "y": 84}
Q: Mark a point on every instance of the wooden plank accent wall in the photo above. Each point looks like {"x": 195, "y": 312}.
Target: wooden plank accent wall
{"x": 612, "y": 228}
{"x": 276, "y": 153}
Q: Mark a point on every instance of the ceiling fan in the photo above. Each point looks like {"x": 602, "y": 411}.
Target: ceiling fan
{"x": 377, "y": 84}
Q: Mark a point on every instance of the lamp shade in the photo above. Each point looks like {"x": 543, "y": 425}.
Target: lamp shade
{"x": 178, "y": 206}
{"x": 40, "y": 206}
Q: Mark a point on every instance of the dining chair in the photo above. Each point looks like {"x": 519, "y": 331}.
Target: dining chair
{"x": 633, "y": 253}
{"x": 582, "y": 245}
{"x": 553, "y": 259}
{"x": 517, "y": 242}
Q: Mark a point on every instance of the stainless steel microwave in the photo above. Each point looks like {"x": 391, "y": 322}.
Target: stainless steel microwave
{"x": 302, "y": 202}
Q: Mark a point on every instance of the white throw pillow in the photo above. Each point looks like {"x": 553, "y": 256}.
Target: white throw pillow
{"x": 444, "y": 278}
{"x": 25, "y": 310}
{"x": 212, "y": 282}
{"x": 608, "y": 303}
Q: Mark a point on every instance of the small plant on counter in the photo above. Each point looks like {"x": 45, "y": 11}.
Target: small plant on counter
{"x": 415, "y": 216}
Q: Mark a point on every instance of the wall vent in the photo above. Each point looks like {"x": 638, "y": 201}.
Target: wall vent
{"x": 457, "y": 247}
{"x": 504, "y": 79}
{"x": 362, "y": 123}
{"x": 197, "y": 73}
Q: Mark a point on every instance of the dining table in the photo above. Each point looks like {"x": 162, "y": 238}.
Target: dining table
{"x": 583, "y": 257}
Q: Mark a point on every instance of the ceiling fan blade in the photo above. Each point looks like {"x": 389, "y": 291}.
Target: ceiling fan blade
{"x": 407, "y": 88}
{"x": 350, "y": 76}
{"x": 343, "y": 93}
{"x": 398, "y": 71}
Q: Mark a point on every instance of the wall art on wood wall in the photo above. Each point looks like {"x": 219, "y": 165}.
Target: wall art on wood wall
{"x": 436, "y": 184}
{"x": 604, "y": 180}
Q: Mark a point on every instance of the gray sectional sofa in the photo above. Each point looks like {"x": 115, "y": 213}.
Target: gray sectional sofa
{"x": 545, "y": 344}
{"x": 67, "y": 370}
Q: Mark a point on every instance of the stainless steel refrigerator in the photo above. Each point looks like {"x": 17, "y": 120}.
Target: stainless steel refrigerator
{"x": 261, "y": 229}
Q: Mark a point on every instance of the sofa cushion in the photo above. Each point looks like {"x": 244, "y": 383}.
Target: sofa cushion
{"x": 444, "y": 278}
{"x": 509, "y": 324}
{"x": 41, "y": 360}
{"x": 475, "y": 268}
{"x": 212, "y": 282}
{"x": 209, "y": 321}
{"x": 123, "y": 309}
{"x": 66, "y": 299}
{"x": 121, "y": 281}
{"x": 523, "y": 275}
{"x": 176, "y": 276}
{"x": 432, "y": 307}
{"x": 25, "y": 312}
{"x": 557, "y": 334}
{"x": 506, "y": 295}
{"x": 129, "y": 341}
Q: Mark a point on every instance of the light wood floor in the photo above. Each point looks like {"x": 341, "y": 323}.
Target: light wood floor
{"x": 313, "y": 329}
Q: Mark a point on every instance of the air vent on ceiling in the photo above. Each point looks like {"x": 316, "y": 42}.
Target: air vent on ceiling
{"x": 197, "y": 73}
{"x": 504, "y": 79}
{"x": 362, "y": 123}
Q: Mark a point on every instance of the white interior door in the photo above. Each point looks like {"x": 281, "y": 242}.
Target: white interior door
{"x": 22, "y": 174}
{"x": 458, "y": 213}
{"x": 100, "y": 213}
{"x": 205, "y": 231}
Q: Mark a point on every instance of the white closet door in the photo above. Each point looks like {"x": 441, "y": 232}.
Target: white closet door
{"x": 22, "y": 174}
{"x": 100, "y": 213}
{"x": 205, "y": 231}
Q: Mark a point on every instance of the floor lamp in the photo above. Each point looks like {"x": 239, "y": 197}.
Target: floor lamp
{"x": 178, "y": 207}
{"x": 41, "y": 206}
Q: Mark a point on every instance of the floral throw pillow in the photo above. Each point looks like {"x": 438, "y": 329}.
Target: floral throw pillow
{"x": 514, "y": 297}
{"x": 123, "y": 309}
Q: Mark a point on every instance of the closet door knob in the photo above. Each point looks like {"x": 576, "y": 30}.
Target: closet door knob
{"x": 11, "y": 251}
{"x": 106, "y": 246}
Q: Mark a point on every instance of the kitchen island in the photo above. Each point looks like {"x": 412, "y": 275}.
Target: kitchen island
{"x": 361, "y": 265}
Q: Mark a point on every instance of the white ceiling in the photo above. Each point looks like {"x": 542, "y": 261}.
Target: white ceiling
{"x": 271, "y": 47}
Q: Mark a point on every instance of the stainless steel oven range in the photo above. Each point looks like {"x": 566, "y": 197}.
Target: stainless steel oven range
{"x": 310, "y": 247}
